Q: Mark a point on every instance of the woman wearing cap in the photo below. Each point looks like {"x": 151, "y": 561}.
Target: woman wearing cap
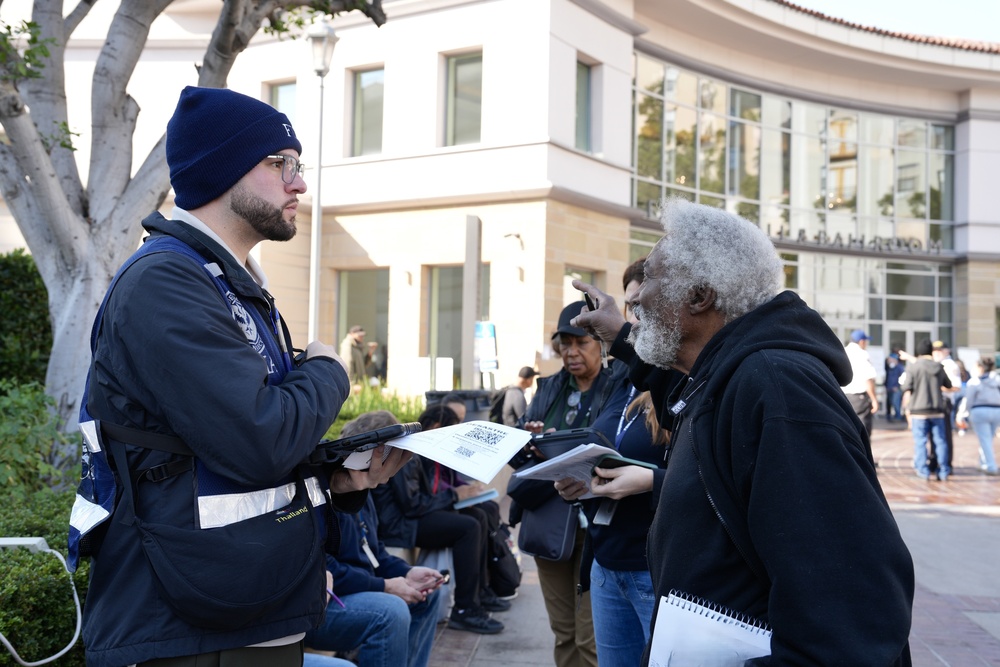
{"x": 569, "y": 399}
{"x": 621, "y": 589}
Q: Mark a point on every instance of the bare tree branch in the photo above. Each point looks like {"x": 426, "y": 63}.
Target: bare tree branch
{"x": 76, "y": 16}
{"x": 46, "y": 97}
{"x": 113, "y": 111}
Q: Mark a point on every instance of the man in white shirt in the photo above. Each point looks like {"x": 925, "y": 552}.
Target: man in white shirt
{"x": 861, "y": 389}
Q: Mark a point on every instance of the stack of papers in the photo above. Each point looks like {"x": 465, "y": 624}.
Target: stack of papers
{"x": 578, "y": 463}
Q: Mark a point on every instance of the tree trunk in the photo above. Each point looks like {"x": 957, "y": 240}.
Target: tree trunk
{"x": 79, "y": 236}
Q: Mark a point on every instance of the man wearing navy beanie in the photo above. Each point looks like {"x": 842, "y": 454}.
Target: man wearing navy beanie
{"x": 190, "y": 352}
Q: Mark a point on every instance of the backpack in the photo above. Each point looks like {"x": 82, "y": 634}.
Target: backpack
{"x": 504, "y": 565}
{"x": 496, "y": 405}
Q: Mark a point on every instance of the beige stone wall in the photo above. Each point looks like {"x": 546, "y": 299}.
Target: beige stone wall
{"x": 976, "y": 300}
{"x": 581, "y": 239}
{"x": 527, "y": 244}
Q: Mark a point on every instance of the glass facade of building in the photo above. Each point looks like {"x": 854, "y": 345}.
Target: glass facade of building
{"x": 851, "y": 187}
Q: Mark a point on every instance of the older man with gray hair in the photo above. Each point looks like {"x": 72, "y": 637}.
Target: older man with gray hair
{"x": 770, "y": 505}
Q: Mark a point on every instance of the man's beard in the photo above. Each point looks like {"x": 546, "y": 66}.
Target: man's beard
{"x": 266, "y": 219}
{"x": 656, "y": 337}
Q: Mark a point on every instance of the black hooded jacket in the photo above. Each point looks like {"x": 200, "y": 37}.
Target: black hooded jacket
{"x": 770, "y": 503}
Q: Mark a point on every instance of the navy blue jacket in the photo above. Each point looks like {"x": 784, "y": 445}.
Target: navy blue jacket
{"x": 351, "y": 569}
{"x": 171, "y": 359}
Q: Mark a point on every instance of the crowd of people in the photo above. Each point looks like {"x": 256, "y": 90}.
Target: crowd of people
{"x": 749, "y": 485}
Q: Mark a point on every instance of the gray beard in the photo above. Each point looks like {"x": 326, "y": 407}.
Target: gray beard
{"x": 657, "y": 338}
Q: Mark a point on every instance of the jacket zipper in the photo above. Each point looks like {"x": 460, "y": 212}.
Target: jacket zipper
{"x": 718, "y": 514}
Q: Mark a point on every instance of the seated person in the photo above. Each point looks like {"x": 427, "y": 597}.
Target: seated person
{"x": 442, "y": 478}
{"x": 382, "y": 604}
{"x": 412, "y": 514}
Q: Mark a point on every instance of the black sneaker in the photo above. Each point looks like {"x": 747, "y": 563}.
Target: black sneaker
{"x": 489, "y": 601}
{"x": 474, "y": 620}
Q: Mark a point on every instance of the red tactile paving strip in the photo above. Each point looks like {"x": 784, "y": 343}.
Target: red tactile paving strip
{"x": 893, "y": 452}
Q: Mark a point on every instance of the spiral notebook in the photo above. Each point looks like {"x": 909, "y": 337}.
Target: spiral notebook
{"x": 693, "y": 632}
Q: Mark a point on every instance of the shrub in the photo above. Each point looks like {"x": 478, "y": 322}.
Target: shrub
{"x": 29, "y": 433}
{"x": 369, "y": 399}
{"x": 25, "y": 329}
{"x": 37, "y": 613}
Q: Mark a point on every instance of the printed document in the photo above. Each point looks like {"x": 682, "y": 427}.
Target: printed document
{"x": 578, "y": 463}
{"x": 477, "y": 449}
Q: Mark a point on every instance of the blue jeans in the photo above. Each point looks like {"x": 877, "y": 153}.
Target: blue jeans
{"x": 935, "y": 427}
{"x": 622, "y": 604}
{"x": 894, "y": 405}
{"x": 985, "y": 422}
{"x": 317, "y": 660}
{"x": 389, "y": 632}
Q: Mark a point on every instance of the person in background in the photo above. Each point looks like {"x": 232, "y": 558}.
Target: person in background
{"x": 860, "y": 390}
{"x": 352, "y": 351}
{"x": 923, "y": 400}
{"x": 941, "y": 353}
{"x": 456, "y": 403}
{"x": 569, "y": 399}
{"x": 621, "y": 590}
{"x": 374, "y": 364}
{"x": 515, "y": 403}
{"x": 382, "y": 605}
{"x": 770, "y": 505}
{"x": 982, "y": 399}
{"x": 893, "y": 393}
{"x": 412, "y": 513}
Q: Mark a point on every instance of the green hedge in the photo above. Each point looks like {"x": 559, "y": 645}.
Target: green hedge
{"x": 29, "y": 433}
{"x": 37, "y": 613}
{"x": 25, "y": 330}
{"x": 370, "y": 399}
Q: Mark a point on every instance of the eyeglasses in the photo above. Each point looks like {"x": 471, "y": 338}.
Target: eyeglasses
{"x": 573, "y": 403}
{"x": 290, "y": 167}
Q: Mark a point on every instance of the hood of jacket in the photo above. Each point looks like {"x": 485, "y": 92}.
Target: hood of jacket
{"x": 783, "y": 323}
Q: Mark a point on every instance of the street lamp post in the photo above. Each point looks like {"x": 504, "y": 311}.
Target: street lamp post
{"x": 323, "y": 40}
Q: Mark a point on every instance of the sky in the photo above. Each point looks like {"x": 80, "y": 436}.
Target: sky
{"x": 969, "y": 19}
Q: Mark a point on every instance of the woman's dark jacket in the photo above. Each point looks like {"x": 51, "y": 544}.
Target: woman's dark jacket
{"x": 404, "y": 499}
{"x": 531, "y": 494}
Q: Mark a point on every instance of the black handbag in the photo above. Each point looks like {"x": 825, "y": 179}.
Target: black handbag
{"x": 549, "y": 532}
{"x": 225, "y": 578}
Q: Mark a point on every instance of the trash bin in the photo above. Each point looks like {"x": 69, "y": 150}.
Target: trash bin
{"x": 477, "y": 402}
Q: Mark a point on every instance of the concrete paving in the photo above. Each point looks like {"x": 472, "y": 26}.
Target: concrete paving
{"x": 952, "y": 529}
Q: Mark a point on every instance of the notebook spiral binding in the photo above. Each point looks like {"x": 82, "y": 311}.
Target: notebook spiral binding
{"x": 718, "y": 612}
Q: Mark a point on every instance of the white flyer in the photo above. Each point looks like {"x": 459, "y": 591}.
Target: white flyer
{"x": 477, "y": 449}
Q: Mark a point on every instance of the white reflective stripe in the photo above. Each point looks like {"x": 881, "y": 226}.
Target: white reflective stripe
{"x": 222, "y": 510}
{"x": 90, "y": 439}
{"x": 85, "y": 514}
{"x": 214, "y": 269}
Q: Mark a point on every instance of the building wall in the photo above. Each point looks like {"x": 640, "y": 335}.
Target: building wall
{"x": 544, "y": 204}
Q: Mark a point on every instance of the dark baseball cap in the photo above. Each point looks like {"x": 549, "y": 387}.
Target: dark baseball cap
{"x": 567, "y": 314}
{"x": 527, "y": 372}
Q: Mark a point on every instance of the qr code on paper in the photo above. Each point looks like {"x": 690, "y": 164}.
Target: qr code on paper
{"x": 464, "y": 451}
{"x": 485, "y": 435}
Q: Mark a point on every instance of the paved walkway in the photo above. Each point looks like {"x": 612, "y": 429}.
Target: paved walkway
{"x": 952, "y": 530}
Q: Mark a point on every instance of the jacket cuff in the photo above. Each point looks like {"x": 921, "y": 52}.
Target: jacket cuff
{"x": 620, "y": 348}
